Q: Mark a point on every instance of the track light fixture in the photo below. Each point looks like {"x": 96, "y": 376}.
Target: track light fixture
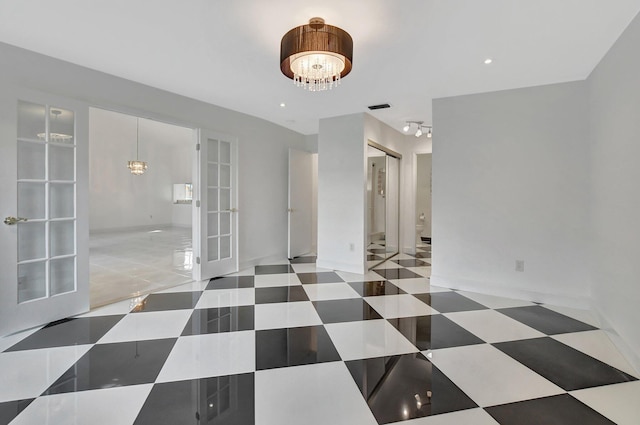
{"x": 420, "y": 127}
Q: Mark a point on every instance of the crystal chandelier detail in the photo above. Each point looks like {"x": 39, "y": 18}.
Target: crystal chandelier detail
{"x": 137, "y": 167}
{"x": 316, "y": 56}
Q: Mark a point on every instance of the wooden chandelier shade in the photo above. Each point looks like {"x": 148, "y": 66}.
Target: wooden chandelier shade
{"x": 316, "y": 36}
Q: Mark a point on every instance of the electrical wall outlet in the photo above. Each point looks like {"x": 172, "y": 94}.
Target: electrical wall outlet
{"x": 352, "y": 247}
{"x": 519, "y": 265}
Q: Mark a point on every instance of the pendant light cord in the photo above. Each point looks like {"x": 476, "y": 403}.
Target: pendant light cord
{"x": 137, "y": 139}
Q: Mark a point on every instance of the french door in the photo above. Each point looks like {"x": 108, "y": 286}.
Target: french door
{"x": 44, "y": 234}
{"x": 216, "y": 205}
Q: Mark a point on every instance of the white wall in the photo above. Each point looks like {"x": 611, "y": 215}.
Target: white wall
{"x": 341, "y": 193}
{"x": 120, "y": 200}
{"x": 510, "y": 182}
{"x": 615, "y": 198}
{"x": 423, "y": 191}
{"x": 263, "y": 146}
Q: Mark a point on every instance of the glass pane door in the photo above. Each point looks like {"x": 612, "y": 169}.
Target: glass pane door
{"x": 46, "y": 234}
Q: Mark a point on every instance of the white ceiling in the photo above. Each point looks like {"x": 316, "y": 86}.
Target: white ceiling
{"x": 406, "y": 52}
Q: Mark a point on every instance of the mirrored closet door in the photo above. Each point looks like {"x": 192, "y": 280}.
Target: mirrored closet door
{"x": 383, "y": 204}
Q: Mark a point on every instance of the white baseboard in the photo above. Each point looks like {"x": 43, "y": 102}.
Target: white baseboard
{"x": 267, "y": 259}
{"x": 629, "y": 354}
{"x": 144, "y": 228}
{"x": 489, "y": 288}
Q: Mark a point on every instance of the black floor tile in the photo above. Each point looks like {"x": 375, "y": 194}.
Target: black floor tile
{"x": 231, "y": 282}
{"x": 280, "y": 294}
{"x": 294, "y": 347}
{"x": 545, "y": 320}
{"x": 423, "y": 254}
{"x": 449, "y": 302}
{"x": 412, "y": 263}
{"x": 83, "y": 330}
{"x": 10, "y": 409}
{"x": 218, "y": 320}
{"x": 303, "y": 260}
{"x": 376, "y": 288}
{"x": 433, "y": 332}
{"x": 406, "y": 387}
{"x": 223, "y": 400}
{"x": 274, "y": 269}
{"x": 556, "y": 410}
{"x": 397, "y": 274}
{"x": 115, "y": 365}
{"x": 319, "y": 277}
{"x": 377, "y": 250}
{"x": 373, "y": 257}
{"x": 172, "y": 301}
{"x": 566, "y": 367}
{"x": 348, "y": 310}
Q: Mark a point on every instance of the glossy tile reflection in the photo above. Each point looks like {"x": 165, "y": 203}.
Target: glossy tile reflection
{"x": 68, "y": 332}
{"x": 293, "y": 347}
{"x": 566, "y": 367}
{"x": 545, "y": 320}
{"x": 115, "y": 365}
{"x": 406, "y": 387}
{"x": 557, "y": 410}
{"x": 433, "y": 332}
{"x": 223, "y": 400}
{"x": 333, "y": 311}
{"x": 216, "y": 320}
{"x": 288, "y": 344}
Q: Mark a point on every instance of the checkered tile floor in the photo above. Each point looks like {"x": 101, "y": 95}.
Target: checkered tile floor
{"x": 292, "y": 344}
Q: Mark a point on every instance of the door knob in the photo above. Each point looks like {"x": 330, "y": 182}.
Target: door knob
{"x": 10, "y": 221}
{"x": 290, "y": 210}
{"x": 232, "y": 210}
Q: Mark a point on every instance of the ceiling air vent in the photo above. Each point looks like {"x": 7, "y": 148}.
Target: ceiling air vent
{"x": 381, "y": 106}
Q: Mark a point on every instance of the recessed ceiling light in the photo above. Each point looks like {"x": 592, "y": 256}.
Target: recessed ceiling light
{"x": 282, "y": 105}
{"x": 487, "y": 61}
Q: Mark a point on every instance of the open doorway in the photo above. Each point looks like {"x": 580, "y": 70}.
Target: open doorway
{"x": 140, "y": 225}
{"x": 423, "y": 207}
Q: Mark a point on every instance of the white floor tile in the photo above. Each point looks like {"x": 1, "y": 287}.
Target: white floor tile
{"x": 417, "y": 286}
{"x": 585, "y": 316}
{"x": 268, "y": 280}
{"x": 404, "y": 305}
{"x": 318, "y": 394}
{"x": 489, "y": 376}
{"x": 208, "y": 355}
{"x": 26, "y": 374}
{"x": 285, "y": 315}
{"x": 367, "y": 339}
{"x": 463, "y": 417}
{"x": 226, "y": 298}
{"x": 492, "y": 301}
{"x": 151, "y": 325}
{"x": 597, "y": 345}
{"x": 112, "y": 406}
{"x": 250, "y": 271}
{"x": 330, "y": 291}
{"x": 617, "y": 402}
{"x": 491, "y": 326}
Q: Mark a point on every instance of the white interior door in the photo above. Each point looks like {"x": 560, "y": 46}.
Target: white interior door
{"x": 300, "y": 203}
{"x": 216, "y": 205}
{"x": 44, "y": 266}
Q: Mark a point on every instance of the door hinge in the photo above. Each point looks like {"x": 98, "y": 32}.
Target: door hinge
{"x": 197, "y": 260}
{"x": 197, "y": 146}
{"x": 197, "y": 204}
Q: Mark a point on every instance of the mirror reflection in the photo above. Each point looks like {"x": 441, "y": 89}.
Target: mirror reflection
{"x": 383, "y": 205}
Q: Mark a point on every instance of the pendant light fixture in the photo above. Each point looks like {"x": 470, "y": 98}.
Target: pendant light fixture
{"x": 137, "y": 167}
{"x": 316, "y": 55}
